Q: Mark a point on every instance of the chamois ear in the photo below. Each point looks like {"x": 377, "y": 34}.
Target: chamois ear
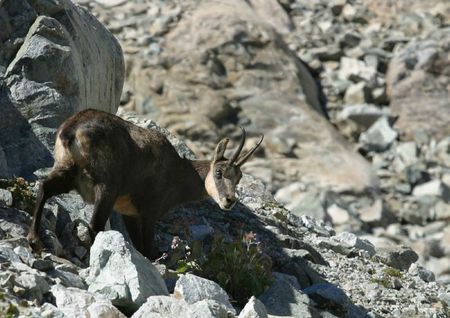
{"x": 220, "y": 149}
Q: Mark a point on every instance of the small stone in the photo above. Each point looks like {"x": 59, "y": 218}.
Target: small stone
{"x": 364, "y": 115}
{"x": 442, "y": 211}
{"x": 424, "y": 274}
{"x": 192, "y": 289}
{"x": 433, "y": 188}
{"x": 80, "y": 251}
{"x": 356, "y": 70}
{"x": 277, "y": 304}
{"x": 253, "y": 309}
{"x": 42, "y": 264}
{"x": 379, "y": 136}
{"x": 355, "y": 94}
{"x": 399, "y": 257}
{"x": 407, "y": 152}
{"x": 6, "y": 197}
{"x": 349, "y": 12}
{"x": 352, "y": 240}
{"x": 338, "y": 215}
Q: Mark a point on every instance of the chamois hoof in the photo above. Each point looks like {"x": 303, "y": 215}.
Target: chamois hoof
{"x": 35, "y": 243}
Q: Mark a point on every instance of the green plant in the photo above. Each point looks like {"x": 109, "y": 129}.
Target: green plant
{"x": 21, "y": 191}
{"x": 239, "y": 267}
{"x": 393, "y": 272}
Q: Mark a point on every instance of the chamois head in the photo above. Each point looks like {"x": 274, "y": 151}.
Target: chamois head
{"x": 224, "y": 174}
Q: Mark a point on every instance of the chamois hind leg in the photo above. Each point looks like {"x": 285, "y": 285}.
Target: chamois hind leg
{"x": 60, "y": 180}
{"x": 134, "y": 228}
{"x": 103, "y": 204}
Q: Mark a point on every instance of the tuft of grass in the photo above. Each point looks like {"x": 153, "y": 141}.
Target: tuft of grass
{"x": 393, "y": 272}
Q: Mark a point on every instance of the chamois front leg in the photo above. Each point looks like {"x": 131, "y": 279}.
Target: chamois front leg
{"x": 60, "y": 180}
{"x": 104, "y": 202}
{"x": 135, "y": 231}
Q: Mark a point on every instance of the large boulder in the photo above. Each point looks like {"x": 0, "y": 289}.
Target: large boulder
{"x": 223, "y": 64}
{"x": 55, "y": 59}
{"x": 418, "y": 85}
{"x": 120, "y": 273}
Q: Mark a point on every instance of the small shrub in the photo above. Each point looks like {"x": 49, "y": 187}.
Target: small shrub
{"x": 22, "y": 193}
{"x": 239, "y": 267}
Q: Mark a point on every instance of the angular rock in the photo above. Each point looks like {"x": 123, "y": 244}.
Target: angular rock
{"x": 192, "y": 289}
{"x": 433, "y": 188}
{"x": 278, "y": 304}
{"x": 400, "y": 257}
{"x": 355, "y": 94}
{"x": 253, "y": 309}
{"x": 120, "y": 273}
{"x": 379, "y": 136}
{"x": 162, "y": 306}
{"x": 6, "y": 197}
{"x": 63, "y": 60}
{"x": 74, "y": 302}
{"x": 364, "y": 115}
{"x": 32, "y": 286}
{"x": 354, "y": 241}
{"x": 415, "y": 86}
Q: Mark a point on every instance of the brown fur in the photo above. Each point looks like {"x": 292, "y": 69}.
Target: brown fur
{"x": 137, "y": 172}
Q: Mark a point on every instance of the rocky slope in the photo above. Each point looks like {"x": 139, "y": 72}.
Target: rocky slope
{"x": 373, "y": 160}
{"x": 314, "y": 271}
{"x": 383, "y": 67}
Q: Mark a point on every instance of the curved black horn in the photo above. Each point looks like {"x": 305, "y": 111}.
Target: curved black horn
{"x": 239, "y": 149}
{"x": 245, "y": 157}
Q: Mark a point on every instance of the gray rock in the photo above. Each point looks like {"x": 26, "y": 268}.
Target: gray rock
{"x": 167, "y": 307}
{"x": 433, "y": 188}
{"x": 421, "y": 67}
{"x": 407, "y": 152}
{"x": 301, "y": 201}
{"x": 364, "y": 115}
{"x": 210, "y": 308}
{"x": 31, "y": 286}
{"x": 57, "y": 66}
{"x": 42, "y": 264}
{"x": 354, "y": 69}
{"x": 398, "y": 257}
{"x": 425, "y": 274}
{"x": 442, "y": 211}
{"x": 356, "y": 94}
{"x": 354, "y": 241}
{"x": 282, "y": 299}
{"x": 162, "y": 307}
{"x": 120, "y": 273}
{"x": 6, "y": 197}
{"x": 67, "y": 279}
{"x": 74, "y": 302}
{"x": 379, "y": 136}
{"x": 253, "y": 309}
{"x": 192, "y": 289}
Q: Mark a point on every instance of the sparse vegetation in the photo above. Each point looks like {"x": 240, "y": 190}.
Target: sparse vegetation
{"x": 238, "y": 266}
{"x": 21, "y": 190}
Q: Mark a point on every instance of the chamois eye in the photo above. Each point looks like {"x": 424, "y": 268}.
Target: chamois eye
{"x": 218, "y": 173}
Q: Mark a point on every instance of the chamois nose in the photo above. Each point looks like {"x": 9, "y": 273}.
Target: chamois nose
{"x": 229, "y": 202}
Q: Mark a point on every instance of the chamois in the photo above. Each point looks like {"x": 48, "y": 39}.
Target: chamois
{"x": 115, "y": 164}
